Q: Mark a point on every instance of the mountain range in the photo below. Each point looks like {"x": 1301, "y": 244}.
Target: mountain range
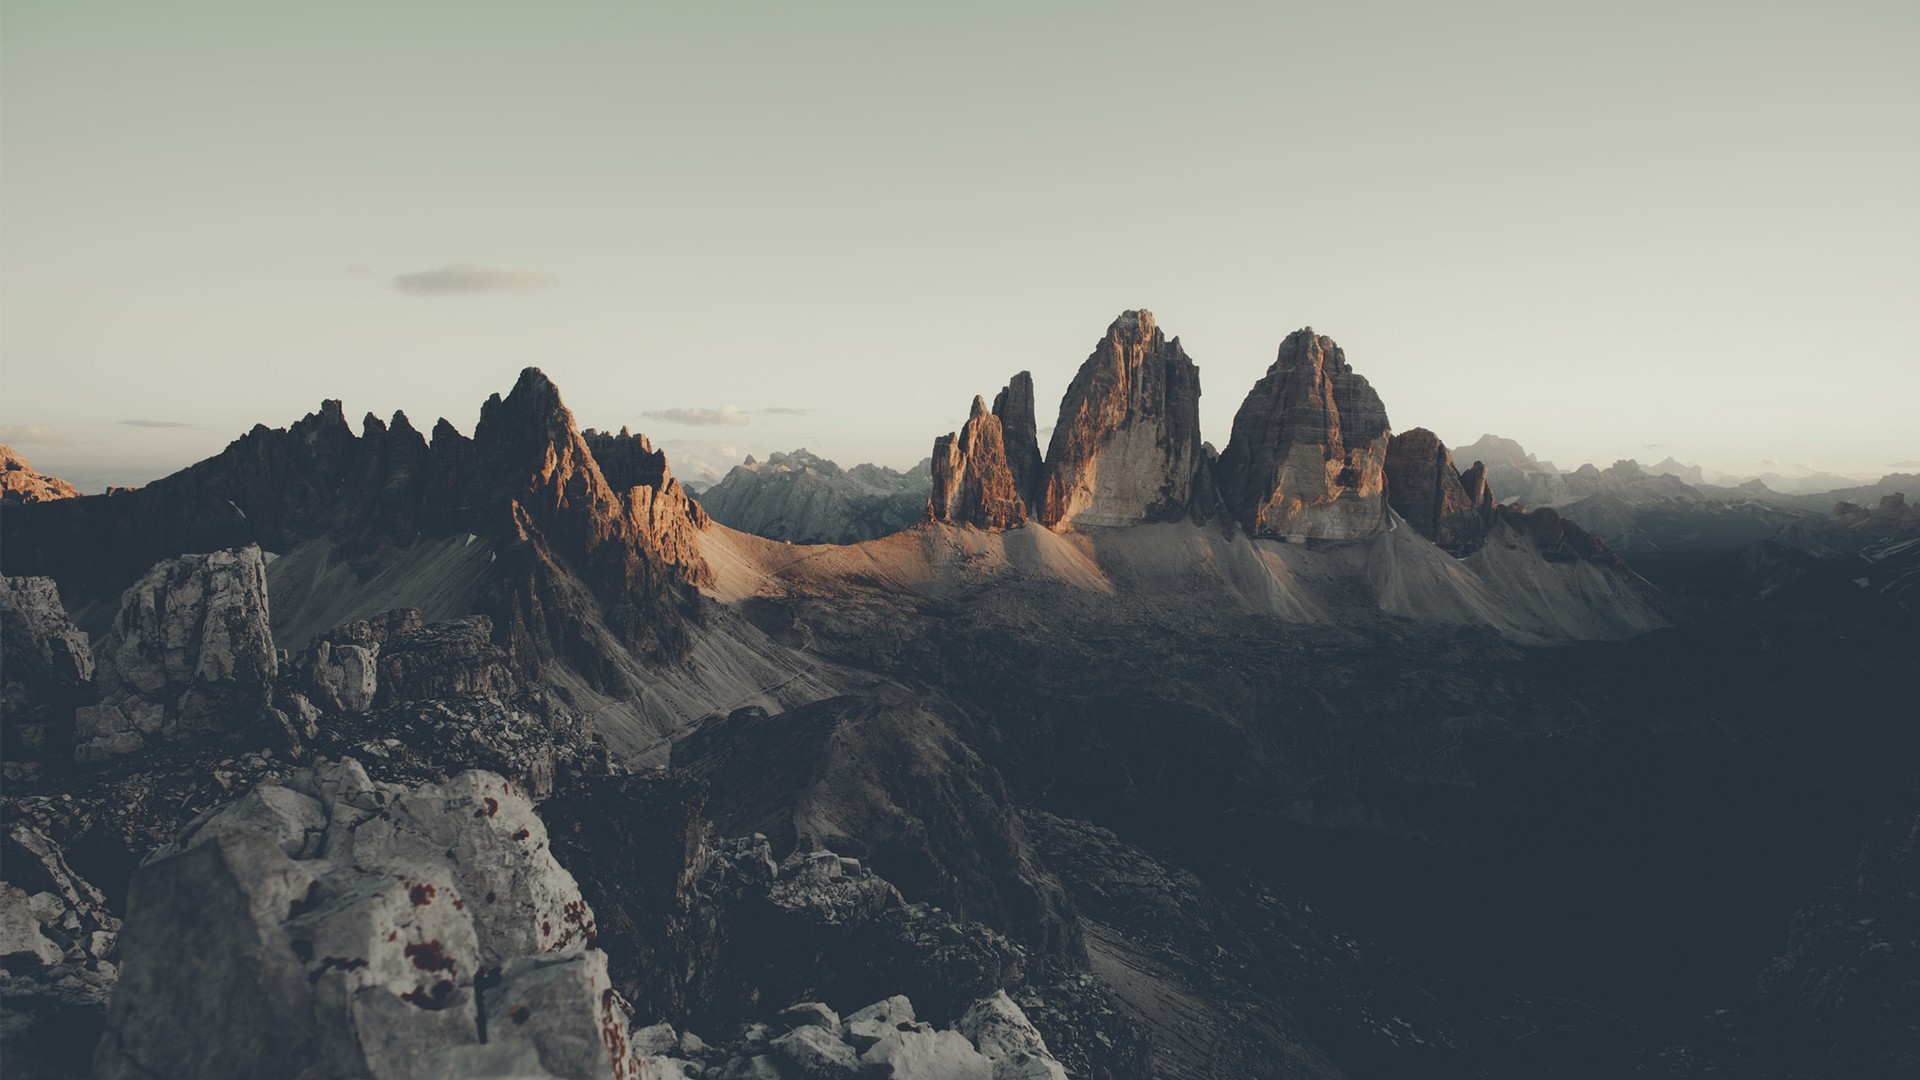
{"x": 1315, "y": 755}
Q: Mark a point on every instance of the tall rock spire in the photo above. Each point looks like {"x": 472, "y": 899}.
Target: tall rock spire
{"x": 1425, "y": 489}
{"x": 1020, "y": 434}
{"x": 972, "y": 484}
{"x": 1308, "y": 453}
{"x": 1127, "y": 447}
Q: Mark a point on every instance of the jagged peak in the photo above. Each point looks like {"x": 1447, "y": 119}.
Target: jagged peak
{"x": 371, "y": 426}
{"x": 330, "y": 418}
{"x": 400, "y": 425}
{"x": 445, "y": 434}
{"x": 979, "y": 408}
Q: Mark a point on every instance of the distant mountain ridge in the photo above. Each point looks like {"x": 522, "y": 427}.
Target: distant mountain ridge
{"x": 804, "y": 498}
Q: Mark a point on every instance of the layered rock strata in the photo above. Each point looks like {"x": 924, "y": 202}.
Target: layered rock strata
{"x": 972, "y": 481}
{"x": 1307, "y": 458}
{"x": 1126, "y": 449}
{"x": 20, "y": 483}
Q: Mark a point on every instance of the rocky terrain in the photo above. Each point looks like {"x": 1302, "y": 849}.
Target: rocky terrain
{"x": 499, "y": 756}
{"x": 20, "y": 483}
{"x": 806, "y": 499}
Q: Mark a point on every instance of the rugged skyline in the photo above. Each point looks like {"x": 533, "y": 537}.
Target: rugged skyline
{"x": 1636, "y": 232}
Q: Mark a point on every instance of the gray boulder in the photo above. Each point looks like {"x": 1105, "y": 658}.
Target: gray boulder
{"x": 1002, "y": 1033}
{"x": 45, "y": 665}
{"x": 341, "y": 927}
{"x": 189, "y": 656}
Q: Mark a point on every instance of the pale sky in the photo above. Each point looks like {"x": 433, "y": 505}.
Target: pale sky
{"x": 1605, "y": 230}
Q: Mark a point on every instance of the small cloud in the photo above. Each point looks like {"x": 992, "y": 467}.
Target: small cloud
{"x": 725, "y": 415}
{"x": 1654, "y": 446}
{"x": 782, "y": 410}
{"x": 158, "y": 423}
{"x": 456, "y": 278}
{"x": 33, "y": 433}
{"x": 1907, "y": 464}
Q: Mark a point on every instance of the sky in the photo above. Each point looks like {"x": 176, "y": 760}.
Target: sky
{"x": 1607, "y": 231}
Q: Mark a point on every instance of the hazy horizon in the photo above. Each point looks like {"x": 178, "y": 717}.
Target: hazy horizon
{"x": 1636, "y": 232}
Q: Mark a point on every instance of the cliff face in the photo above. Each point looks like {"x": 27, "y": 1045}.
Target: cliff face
{"x": 1127, "y": 446}
{"x": 1308, "y": 452}
{"x": 1424, "y": 488}
{"x": 1019, "y": 432}
{"x": 972, "y": 482}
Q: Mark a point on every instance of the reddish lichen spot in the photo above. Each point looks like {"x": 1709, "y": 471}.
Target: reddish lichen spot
{"x": 421, "y": 894}
{"x": 493, "y": 806}
{"x": 522, "y": 834}
{"x": 430, "y": 956}
{"x": 519, "y": 1013}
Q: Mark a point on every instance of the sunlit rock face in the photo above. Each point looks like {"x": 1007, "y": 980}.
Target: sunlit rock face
{"x": 1308, "y": 453}
{"x": 1127, "y": 447}
{"x": 972, "y": 482}
{"x": 21, "y": 483}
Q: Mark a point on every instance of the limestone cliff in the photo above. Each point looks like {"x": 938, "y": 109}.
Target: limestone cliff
{"x": 1307, "y": 457}
{"x": 972, "y": 481}
{"x": 1127, "y": 446}
{"x": 1425, "y": 488}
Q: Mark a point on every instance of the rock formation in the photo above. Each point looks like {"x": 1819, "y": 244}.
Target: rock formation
{"x": 20, "y": 483}
{"x": 1425, "y": 489}
{"x": 587, "y": 573}
{"x": 1127, "y": 447}
{"x": 972, "y": 482}
{"x": 339, "y": 927}
{"x": 889, "y": 783}
{"x": 46, "y": 670}
{"x": 1020, "y": 432}
{"x": 189, "y": 656}
{"x": 804, "y": 498}
{"x": 1308, "y": 453}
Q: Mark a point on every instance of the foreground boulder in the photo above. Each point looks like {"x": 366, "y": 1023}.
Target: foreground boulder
{"x": 340, "y": 927}
{"x": 46, "y": 666}
{"x": 190, "y": 656}
{"x": 58, "y": 941}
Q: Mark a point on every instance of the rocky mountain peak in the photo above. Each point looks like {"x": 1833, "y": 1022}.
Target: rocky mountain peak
{"x": 1126, "y": 449}
{"x": 1425, "y": 489}
{"x": 972, "y": 482}
{"x": 20, "y": 483}
{"x": 1020, "y": 432}
{"x": 1308, "y": 452}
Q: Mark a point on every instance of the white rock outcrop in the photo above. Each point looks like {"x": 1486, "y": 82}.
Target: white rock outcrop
{"x": 341, "y": 927}
{"x": 190, "y": 655}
